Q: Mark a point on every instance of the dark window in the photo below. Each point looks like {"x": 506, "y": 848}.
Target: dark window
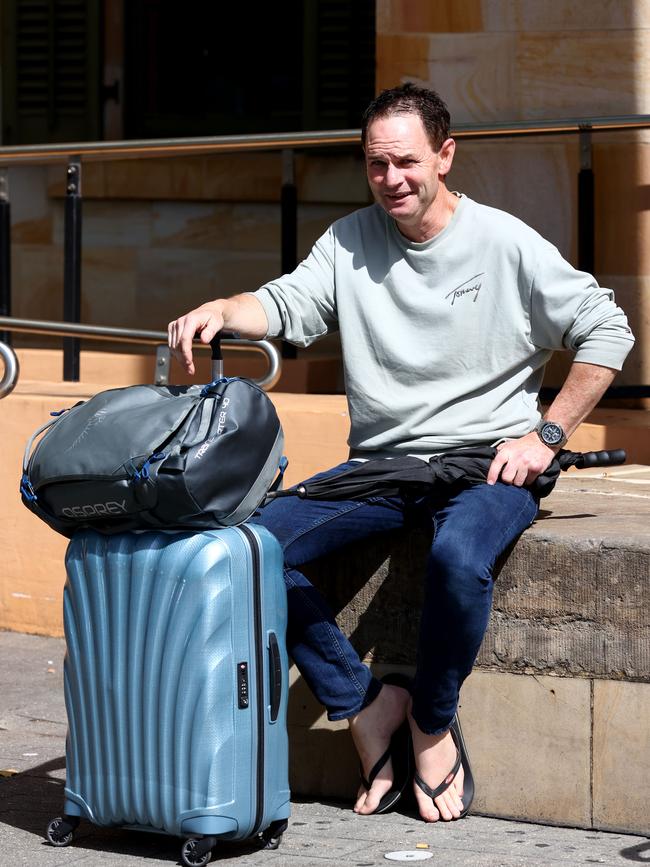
{"x": 51, "y": 54}
{"x": 208, "y": 68}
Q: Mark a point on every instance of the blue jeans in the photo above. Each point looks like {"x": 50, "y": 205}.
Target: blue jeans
{"x": 472, "y": 527}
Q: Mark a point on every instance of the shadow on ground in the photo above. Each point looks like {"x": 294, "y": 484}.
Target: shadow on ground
{"x": 639, "y": 853}
{"x": 30, "y": 800}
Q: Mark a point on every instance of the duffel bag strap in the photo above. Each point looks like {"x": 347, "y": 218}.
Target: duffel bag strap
{"x": 277, "y": 484}
{"x": 39, "y": 431}
{"x": 275, "y": 489}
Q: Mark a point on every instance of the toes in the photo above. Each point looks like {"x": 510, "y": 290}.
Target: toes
{"x": 448, "y": 805}
{"x": 368, "y": 801}
{"x": 361, "y": 800}
{"x": 371, "y": 802}
{"x": 428, "y": 812}
{"x": 459, "y": 782}
{"x": 426, "y": 806}
{"x": 458, "y": 799}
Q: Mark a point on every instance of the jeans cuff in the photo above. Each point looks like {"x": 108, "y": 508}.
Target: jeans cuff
{"x": 374, "y": 687}
{"x": 431, "y": 729}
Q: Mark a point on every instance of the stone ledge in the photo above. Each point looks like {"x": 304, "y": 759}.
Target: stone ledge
{"x": 571, "y": 598}
{"x": 543, "y": 748}
{"x": 557, "y": 710}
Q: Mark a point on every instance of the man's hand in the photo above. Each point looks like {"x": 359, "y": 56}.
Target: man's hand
{"x": 519, "y": 462}
{"x": 205, "y": 321}
{"x": 243, "y": 314}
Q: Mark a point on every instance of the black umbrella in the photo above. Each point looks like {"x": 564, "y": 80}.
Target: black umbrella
{"x": 395, "y": 476}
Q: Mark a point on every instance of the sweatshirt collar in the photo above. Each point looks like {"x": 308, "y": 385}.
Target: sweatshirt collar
{"x": 432, "y": 242}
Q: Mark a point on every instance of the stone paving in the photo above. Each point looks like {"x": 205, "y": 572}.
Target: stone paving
{"x": 32, "y": 736}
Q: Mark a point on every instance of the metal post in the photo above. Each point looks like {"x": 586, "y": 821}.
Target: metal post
{"x": 163, "y": 363}
{"x": 586, "y": 222}
{"x": 72, "y": 268}
{"x": 289, "y": 227}
{"x": 5, "y": 252}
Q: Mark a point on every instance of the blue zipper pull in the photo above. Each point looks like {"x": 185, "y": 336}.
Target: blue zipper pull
{"x": 27, "y": 490}
{"x": 143, "y": 472}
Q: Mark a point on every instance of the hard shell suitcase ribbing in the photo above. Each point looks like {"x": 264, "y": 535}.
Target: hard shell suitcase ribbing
{"x": 176, "y": 681}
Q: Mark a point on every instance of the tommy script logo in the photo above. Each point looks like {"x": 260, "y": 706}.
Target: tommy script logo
{"x": 473, "y": 285}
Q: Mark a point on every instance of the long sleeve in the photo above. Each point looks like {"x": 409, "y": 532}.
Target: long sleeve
{"x": 569, "y": 310}
{"x": 301, "y": 306}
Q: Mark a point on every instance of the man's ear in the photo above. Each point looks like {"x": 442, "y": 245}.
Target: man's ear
{"x": 446, "y": 154}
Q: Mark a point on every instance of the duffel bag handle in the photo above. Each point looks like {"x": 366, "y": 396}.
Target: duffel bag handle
{"x": 25, "y": 485}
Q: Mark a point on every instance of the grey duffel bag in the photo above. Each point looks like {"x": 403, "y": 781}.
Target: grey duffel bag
{"x": 156, "y": 457}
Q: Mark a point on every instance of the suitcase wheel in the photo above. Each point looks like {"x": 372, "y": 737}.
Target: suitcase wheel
{"x": 60, "y": 831}
{"x": 197, "y": 851}
{"x": 272, "y": 837}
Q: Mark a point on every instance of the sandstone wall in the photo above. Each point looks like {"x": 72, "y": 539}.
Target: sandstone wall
{"x": 495, "y": 61}
{"x": 163, "y": 235}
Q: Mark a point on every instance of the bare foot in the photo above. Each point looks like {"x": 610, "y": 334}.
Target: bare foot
{"x": 371, "y": 732}
{"x": 435, "y": 756}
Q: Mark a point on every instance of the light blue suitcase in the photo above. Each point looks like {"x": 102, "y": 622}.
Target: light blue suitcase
{"x": 176, "y": 681}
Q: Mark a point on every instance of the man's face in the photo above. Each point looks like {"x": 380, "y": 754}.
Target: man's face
{"x": 404, "y": 171}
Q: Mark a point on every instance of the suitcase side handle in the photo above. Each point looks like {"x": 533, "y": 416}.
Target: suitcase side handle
{"x": 275, "y": 675}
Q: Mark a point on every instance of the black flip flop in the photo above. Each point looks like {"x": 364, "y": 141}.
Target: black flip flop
{"x": 399, "y": 751}
{"x": 462, "y": 759}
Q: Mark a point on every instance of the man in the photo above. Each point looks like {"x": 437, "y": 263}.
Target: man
{"x": 448, "y": 311}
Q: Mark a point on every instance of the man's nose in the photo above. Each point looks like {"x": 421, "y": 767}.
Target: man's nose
{"x": 393, "y": 177}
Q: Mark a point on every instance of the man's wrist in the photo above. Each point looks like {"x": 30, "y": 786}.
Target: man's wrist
{"x": 551, "y": 433}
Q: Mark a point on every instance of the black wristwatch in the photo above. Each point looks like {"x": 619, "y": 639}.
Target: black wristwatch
{"x": 551, "y": 433}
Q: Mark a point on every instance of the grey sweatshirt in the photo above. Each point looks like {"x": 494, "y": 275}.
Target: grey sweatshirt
{"x": 444, "y": 342}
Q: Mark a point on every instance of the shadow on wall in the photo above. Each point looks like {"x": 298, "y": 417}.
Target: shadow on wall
{"x": 370, "y": 589}
{"x": 372, "y": 592}
{"x": 375, "y": 591}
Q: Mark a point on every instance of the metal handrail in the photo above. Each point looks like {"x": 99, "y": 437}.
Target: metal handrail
{"x": 569, "y": 126}
{"x": 76, "y": 152}
{"x": 175, "y": 147}
{"x": 122, "y": 335}
{"x": 11, "y": 371}
{"x": 103, "y": 150}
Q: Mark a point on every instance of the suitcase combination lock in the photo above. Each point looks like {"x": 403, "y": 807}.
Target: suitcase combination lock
{"x": 242, "y": 685}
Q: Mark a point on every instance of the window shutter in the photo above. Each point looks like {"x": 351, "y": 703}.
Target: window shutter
{"x": 340, "y": 62}
{"x": 51, "y": 71}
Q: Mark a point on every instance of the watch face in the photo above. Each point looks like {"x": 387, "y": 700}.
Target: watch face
{"x": 552, "y": 433}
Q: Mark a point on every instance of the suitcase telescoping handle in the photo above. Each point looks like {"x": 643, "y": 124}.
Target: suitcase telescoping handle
{"x": 217, "y": 357}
